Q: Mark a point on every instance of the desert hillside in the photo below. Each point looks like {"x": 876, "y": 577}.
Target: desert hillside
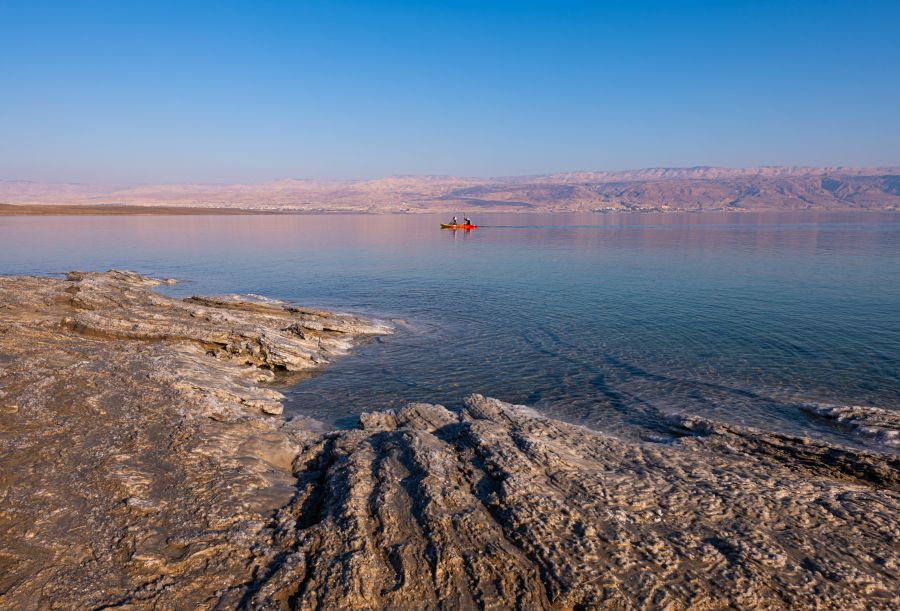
{"x": 699, "y": 188}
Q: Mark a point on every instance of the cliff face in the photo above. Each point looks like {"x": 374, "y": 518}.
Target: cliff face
{"x": 141, "y": 466}
{"x": 775, "y": 188}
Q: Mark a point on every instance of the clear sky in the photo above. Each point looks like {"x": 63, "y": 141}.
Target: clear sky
{"x": 127, "y": 91}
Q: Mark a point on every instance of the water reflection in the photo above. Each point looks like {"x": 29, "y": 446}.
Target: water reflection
{"x": 611, "y": 320}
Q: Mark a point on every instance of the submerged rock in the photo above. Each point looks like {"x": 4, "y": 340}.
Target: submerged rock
{"x": 141, "y": 469}
{"x": 879, "y": 424}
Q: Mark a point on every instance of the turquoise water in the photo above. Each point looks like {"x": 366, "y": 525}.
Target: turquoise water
{"x": 611, "y": 321}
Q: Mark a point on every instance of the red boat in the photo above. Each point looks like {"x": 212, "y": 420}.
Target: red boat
{"x": 452, "y": 226}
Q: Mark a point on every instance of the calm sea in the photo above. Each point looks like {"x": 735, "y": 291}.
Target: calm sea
{"x": 611, "y": 321}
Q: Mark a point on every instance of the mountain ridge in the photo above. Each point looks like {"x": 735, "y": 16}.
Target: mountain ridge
{"x": 663, "y": 189}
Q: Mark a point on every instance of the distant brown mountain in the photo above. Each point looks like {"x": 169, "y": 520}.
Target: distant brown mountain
{"x": 699, "y": 188}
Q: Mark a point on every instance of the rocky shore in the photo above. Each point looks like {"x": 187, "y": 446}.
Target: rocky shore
{"x": 144, "y": 463}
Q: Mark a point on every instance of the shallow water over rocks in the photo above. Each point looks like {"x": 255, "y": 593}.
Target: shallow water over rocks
{"x": 612, "y": 321}
{"x": 172, "y": 482}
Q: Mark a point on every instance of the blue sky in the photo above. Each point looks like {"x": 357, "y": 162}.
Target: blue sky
{"x": 125, "y": 92}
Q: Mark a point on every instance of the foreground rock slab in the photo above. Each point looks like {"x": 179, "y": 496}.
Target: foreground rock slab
{"x": 140, "y": 469}
{"x": 498, "y": 507}
{"x": 138, "y": 459}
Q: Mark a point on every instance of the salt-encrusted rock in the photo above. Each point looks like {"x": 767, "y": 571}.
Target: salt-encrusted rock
{"x": 419, "y": 416}
{"x": 498, "y": 507}
{"x": 142, "y": 441}
{"x": 143, "y": 468}
{"x": 881, "y": 425}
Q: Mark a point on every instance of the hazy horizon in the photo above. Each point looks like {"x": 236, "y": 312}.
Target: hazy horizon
{"x": 485, "y": 177}
{"x": 128, "y": 94}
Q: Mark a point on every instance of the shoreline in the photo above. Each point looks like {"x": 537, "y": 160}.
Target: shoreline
{"x": 122, "y": 210}
{"x": 145, "y": 462}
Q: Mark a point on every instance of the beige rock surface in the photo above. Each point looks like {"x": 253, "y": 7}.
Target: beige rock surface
{"x": 138, "y": 463}
{"x": 139, "y": 470}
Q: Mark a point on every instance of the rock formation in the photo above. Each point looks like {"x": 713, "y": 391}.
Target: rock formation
{"x": 141, "y": 467}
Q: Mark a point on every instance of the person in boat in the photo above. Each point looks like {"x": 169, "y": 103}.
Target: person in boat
{"x": 467, "y": 221}
{"x": 454, "y": 222}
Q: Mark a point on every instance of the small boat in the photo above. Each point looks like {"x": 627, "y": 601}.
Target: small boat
{"x": 457, "y": 226}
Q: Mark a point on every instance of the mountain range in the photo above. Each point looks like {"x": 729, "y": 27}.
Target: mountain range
{"x": 654, "y": 189}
